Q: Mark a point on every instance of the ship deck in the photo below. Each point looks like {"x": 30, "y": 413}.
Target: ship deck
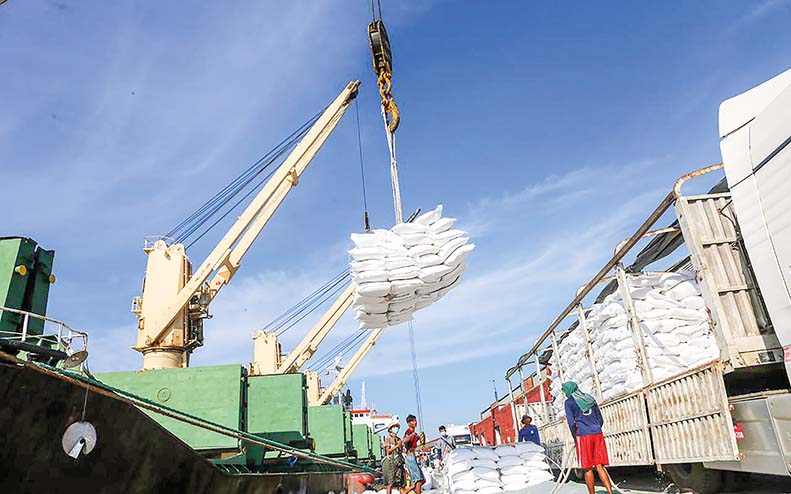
{"x": 133, "y": 453}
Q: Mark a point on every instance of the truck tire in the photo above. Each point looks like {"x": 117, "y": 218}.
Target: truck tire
{"x": 695, "y": 477}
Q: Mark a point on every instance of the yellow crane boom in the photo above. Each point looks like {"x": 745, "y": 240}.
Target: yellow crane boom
{"x": 173, "y": 295}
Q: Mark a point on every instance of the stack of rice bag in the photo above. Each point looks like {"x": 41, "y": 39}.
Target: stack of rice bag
{"x": 492, "y": 470}
{"x": 406, "y": 268}
{"x": 675, "y": 329}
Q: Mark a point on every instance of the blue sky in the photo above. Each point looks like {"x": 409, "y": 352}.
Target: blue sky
{"x": 549, "y": 129}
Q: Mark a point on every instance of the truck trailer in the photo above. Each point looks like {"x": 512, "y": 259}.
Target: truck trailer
{"x": 730, "y": 416}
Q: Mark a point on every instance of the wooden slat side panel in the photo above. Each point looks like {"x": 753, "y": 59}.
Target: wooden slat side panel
{"x": 690, "y": 418}
{"x": 710, "y": 233}
{"x": 723, "y": 260}
{"x": 626, "y": 431}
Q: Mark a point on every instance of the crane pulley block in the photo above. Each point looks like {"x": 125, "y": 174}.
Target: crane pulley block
{"x": 380, "y": 47}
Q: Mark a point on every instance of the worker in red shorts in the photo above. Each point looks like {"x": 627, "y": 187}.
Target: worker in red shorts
{"x": 585, "y": 421}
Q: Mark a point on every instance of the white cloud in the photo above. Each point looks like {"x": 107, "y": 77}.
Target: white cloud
{"x": 110, "y": 349}
{"x": 756, "y": 12}
{"x": 553, "y": 194}
{"x": 760, "y": 9}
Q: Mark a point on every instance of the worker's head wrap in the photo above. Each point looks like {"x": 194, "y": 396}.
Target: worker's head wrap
{"x": 584, "y": 400}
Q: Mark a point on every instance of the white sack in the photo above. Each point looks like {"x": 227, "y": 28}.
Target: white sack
{"x": 411, "y": 266}
{"x": 485, "y": 453}
{"x": 457, "y": 468}
{"x": 463, "y": 487}
{"x": 376, "y": 289}
{"x": 481, "y": 483}
{"x": 460, "y": 454}
{"x": 528, "y": 447}
{"x": 484, "y": 473}
{"x": 533, "y": 456}
{"x": 462, "y": 476}
{"x": 429, "y": 481}
{"x": 516, "y": 478}
{"x": 429, "y": 217}
{"x": 441, "y": 225}
{"x": 506, "y": 450}
{"x": 536, "y": 465}
{"x": 372, "y": 265}
{"x": 516, "y": 469}
{"x": 506, "y": 461}
{"x": 483, "y": 463}
{"x": 441, "y": 239}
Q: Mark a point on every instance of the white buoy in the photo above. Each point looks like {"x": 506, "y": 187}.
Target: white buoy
{"x": 79, "y": 438}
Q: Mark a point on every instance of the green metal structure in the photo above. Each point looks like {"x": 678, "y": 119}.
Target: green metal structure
{"x": 363, "y": 441}
{"x": 25, "y": 277}
{"x": 271, "y": 406}
{"x": 330, "y": 428}
{"x": 376, "y": 448}
{"x": 277, "y": 408}
{"x": 214, "y": 393}
{"x": 347, "y": 417}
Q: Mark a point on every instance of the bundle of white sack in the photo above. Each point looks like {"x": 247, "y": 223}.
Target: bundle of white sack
{"x": 406, "y": 268}
{"x": 675, "y": 330}
{"x": 577, "y": 368}
{"x": 491, "y": 470}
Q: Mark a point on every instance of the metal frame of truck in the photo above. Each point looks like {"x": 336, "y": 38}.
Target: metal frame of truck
{"x": 686, "y": 422}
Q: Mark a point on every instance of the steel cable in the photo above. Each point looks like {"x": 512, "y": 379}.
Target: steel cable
{"x": 329, "y": 356}
{"x": 415, "y": 377}
{"x": 305, "y": 301}
{"x": 200, "y": 216}
{"x": 201, "y": 221}
{"x": 332, "y": 291}
{"x": 339, "y": 349}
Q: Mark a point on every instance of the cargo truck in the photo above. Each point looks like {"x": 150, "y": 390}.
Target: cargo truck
{"x": 725, "y": 419}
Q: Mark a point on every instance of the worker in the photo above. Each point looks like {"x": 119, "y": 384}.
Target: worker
{"x": 529, "y": 432}
{"x": 348, "y": 401}
{"x": 445, "y": 443}
{"x": 585, "y": 421}
{"x": 393, "y": 462}
{"x": 411, "y": 440}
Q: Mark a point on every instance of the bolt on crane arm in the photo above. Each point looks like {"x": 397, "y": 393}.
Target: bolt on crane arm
{"x": 354, "y": 362}
{"x": 224, "y": 259}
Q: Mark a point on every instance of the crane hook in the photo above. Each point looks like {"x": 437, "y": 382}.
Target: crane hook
{"x": 382, "y": 57}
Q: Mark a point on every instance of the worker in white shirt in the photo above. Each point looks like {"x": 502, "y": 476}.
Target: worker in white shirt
{"x": 445, "y": 443}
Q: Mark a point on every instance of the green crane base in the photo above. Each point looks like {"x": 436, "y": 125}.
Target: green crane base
{"x": 213, "y": 393}
{"x": 277, "y": 409}
{"x": 330, "y": 428}
{"x": 363, "y": 442}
